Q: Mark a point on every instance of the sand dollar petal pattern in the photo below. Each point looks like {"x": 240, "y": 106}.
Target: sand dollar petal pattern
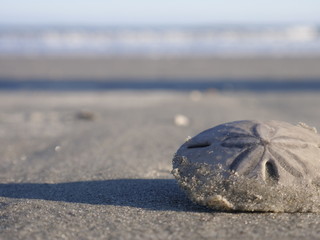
{"x": 276, "y": 158}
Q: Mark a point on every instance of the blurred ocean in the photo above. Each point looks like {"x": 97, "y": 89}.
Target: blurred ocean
{"x": 284, "y": 40}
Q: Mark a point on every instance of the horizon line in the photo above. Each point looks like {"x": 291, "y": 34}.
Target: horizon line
{"x": 173, "y": 24}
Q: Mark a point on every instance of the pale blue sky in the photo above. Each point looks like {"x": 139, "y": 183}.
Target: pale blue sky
{"x": 150, "y": 12}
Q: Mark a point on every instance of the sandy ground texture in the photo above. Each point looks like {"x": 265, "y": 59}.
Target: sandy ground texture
{"x": 96, "y": 165}
{"x": 166, "y": 69}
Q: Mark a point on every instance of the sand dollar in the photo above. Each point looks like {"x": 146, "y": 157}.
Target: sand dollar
{"x": 252, "y": 166}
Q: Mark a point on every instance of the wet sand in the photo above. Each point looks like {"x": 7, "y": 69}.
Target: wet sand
{"x": 133, "y": 68}
{"x": 96, "y": 164}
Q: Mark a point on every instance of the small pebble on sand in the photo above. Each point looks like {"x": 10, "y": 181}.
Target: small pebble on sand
{"x": 57, "y": 149}
{"x": 181, "y": 120}
{"x": 85, "y": 115}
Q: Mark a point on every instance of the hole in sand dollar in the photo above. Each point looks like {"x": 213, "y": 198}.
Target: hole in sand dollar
{"x": 199, "y": 145}
{"x": 272, "y": 174}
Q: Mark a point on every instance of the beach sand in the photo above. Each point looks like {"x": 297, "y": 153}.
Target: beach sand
{"x": 133, "y": 68}
{"x": 84, "y": 164}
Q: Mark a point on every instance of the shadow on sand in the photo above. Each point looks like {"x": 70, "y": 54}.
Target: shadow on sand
{"x": 152, "y": 194}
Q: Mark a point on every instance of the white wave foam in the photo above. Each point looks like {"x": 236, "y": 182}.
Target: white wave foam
{"x": 185, "y": 40}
